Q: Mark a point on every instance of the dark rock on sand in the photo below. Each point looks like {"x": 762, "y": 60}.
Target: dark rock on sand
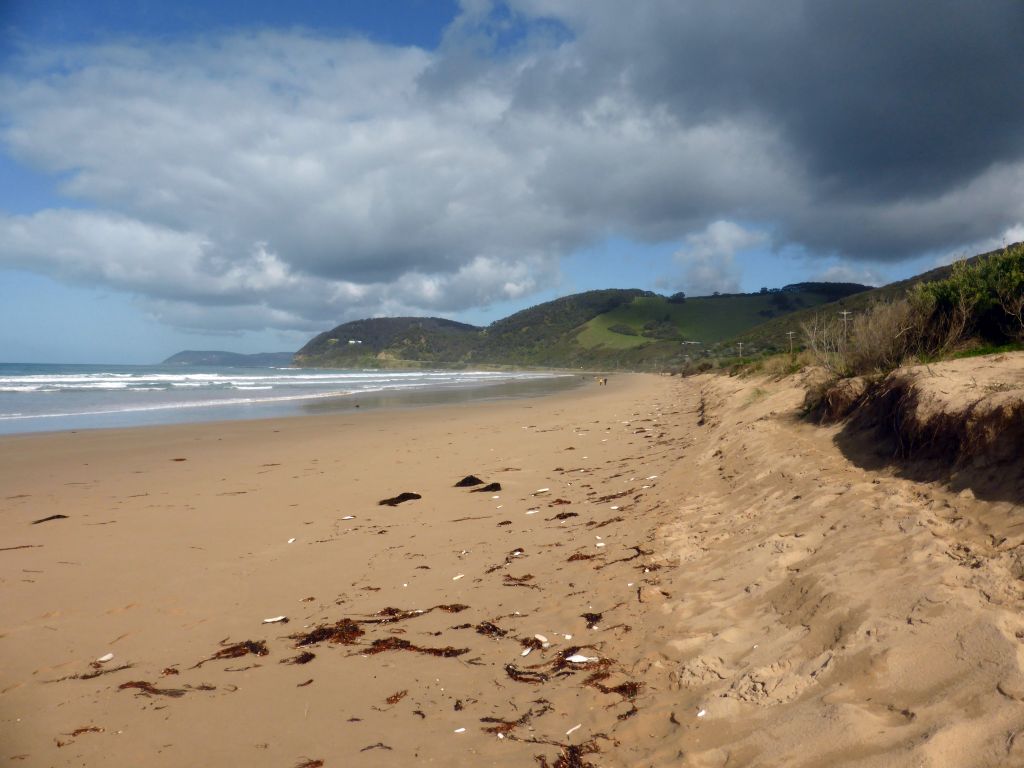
{"x": 489, "y": 488}
{"x": 396, "y": 500}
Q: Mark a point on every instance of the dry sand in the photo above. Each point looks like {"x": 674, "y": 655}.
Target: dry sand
{"x": 744, "y": 592}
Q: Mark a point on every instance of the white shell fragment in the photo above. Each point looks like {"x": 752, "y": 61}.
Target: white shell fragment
{"x": 349, "y": 517}
{"x": 532, "y": 511}
{"x": 574, "y": 728}
{"x": 541, "y": 638}
{"x": 291, "y": 540}
{"x": 652, "y": 477}
{"x": 539, "y": 491}
{"x": 578, "y": 658}
{"x": 526, "y": 652}
{"x": 600, "y": 544}
{"x": 275, "y": 620}
{"x": 460, "y": 730}
{"x": 460, "y": 576}
{"x": 702, "y": 713}
{"x": 105, "y": 658}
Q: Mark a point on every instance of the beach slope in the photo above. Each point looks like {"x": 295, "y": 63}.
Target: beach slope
{"x": 673, "y": 571}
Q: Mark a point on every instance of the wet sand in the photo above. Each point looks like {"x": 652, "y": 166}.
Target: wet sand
{"x": 673, "y": 572}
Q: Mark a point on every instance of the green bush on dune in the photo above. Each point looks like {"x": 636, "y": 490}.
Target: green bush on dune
{"x": 980, "y": 302}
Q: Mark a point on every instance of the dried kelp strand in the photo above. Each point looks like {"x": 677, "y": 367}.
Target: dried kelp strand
{"x": 237, "y": 650}
{"x": 525, "y": 675}
{"x": 303, "y": 658}
{"x": 48, "y": 519}
{"x": 398, "y": 644}
{"x": 394, "y": 698}
{"x": 563, "y": 516}
{"x": 345, "y": 631}
{"x": 142, "y": 685}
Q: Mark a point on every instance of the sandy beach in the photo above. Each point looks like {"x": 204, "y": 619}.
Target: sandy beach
{"x": 673, "y": 572}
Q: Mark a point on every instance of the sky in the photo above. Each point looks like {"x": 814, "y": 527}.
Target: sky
{"x": 243, "y": 175}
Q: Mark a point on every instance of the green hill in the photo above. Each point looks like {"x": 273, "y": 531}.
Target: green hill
{"x": 613, "y": 328}
{"x": 385, "y": 340}
{"x": 704, "y": 319}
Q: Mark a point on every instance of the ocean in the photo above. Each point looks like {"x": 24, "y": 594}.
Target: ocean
{"x": 38, "y": 397}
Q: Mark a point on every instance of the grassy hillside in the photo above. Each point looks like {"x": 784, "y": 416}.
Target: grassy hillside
{"x": 614, "y": 328}
{"x": 705, "y": 319}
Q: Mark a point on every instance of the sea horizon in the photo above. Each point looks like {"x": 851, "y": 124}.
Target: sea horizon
{"x": 53, "y": 397}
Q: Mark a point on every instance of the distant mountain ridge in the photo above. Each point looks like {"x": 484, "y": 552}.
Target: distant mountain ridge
{"x": 230, "y": 359}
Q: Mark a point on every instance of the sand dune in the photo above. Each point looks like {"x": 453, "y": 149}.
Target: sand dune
{"x": 674, "y": 572}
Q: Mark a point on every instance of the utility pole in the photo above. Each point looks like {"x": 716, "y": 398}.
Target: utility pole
{"x": 791, "y": 334}
{"x": 845, "y": 313}
{"x": 741, "y": 349}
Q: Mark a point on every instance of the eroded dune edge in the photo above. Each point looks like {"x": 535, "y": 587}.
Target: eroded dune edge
{"x": 673, "y": 571}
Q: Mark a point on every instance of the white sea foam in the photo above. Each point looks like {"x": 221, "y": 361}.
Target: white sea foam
{"x": 179, "y": 406}
{"x": 62, "y": 397}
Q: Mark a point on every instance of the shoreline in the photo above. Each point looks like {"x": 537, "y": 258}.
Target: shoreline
{"x": 312, "y": 405}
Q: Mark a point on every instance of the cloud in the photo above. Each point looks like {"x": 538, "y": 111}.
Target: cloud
{"x": 847, "y": 273}
{"x": 292, "y": 180}
{"x": 709, "y": 257}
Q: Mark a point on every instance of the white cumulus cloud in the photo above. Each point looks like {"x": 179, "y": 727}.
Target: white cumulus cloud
{"x": 709, "y": 257}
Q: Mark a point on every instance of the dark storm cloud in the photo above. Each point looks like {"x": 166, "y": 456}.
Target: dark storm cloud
{"x": 882, "y": 98}
{"x": 878, "y": 103}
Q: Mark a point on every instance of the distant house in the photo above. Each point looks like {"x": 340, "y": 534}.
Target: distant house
{"x": 355, "y": 341}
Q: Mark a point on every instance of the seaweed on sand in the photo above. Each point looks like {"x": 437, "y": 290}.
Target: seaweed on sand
{"x": 303, "y": 658}
{"x": 398, "y": 644}
{"x": 525, "y": 675}
{"x": 149, "y": 688}
{"x": 345, "y": 631}
{"x": 237, "y": 650}
{"x": 571, "y": 756}
{"x": 505, "y": 727}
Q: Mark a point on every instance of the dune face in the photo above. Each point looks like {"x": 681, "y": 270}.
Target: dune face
{"x": 673, "y": 572}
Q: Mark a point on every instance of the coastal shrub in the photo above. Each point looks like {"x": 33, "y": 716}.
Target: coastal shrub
{"x": 884, "y": 336}
{"x": 1006, "y": 276}
{"x": 875, "y": 341}
{"x": 623, "y": 330}
{"x": 981, "y": 300}
{"x": 825, "y": 339}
